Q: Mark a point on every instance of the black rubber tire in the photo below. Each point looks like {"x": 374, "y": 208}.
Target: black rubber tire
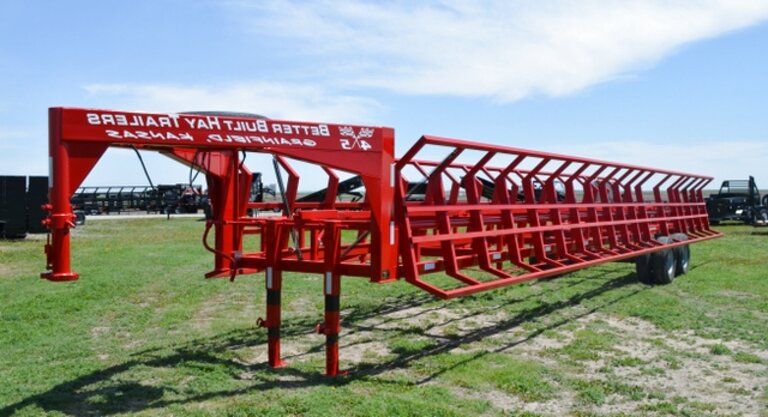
{"x": 765, "y": 200}
{"x": 762, "y": 216}
{"x": 663, "y": 266}
{"x": 682, "y": 254}
{"x": 644, "y": 270}
{"x": 682, "y": 259}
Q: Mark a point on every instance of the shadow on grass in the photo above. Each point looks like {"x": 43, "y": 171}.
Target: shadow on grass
{"x": 120, "y": 388}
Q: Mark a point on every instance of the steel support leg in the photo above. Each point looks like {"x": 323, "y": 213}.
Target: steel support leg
{"x": 332, "y": 291}
{"x": 332, "y": 325}
{"x": 274, "y": 281}
{"x": 274, "y": 285}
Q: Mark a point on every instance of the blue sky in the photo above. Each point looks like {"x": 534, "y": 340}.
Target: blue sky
{"x": 679, "y": 85}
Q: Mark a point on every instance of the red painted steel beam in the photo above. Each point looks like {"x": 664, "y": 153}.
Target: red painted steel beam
{"x": 605, "y": 220}
{"x": 78, "y": 137}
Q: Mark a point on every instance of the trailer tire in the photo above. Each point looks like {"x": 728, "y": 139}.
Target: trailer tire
{"x": 762, "y": 216}
{"x": 663, "y": 266}
{"x": 644, "y": 270}
{"x": 682, "y": 259}
{"x": 765, "y": 200}
{"x": 682, "y": 254}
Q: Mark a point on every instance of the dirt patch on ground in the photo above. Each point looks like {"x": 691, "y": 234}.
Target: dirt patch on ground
{"x": 100, "y": 330}
{"x": 6, "y": 271}
{"x": 681, "y": 368}
{"x": 290, "y": 349}
{"x": 688, "y": 373}
{"x": 678, "y": 368}
{"x": 701, "y": 371}
{"x": 216, "y": 307}
{"x": 207, "y": 312}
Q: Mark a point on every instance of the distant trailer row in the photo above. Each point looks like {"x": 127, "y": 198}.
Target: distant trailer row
{"x": 163, "y": 198}
{"x": 175, "y": 198}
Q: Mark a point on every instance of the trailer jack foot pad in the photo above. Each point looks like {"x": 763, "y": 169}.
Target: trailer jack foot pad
{"x": 278, "y": 365}
{"x": 61, "y": 276}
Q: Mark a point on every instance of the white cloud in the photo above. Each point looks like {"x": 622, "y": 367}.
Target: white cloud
{"x": 504, "y": 50}
{"x": 498, "y": 48}
{"x": 713, "y": 158}
{"x": 273, "y": 100}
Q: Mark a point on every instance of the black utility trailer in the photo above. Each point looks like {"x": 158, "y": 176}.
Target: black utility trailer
{"x": 737, "y": 200}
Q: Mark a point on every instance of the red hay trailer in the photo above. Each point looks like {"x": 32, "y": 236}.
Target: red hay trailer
{"x": 487, "y": 216}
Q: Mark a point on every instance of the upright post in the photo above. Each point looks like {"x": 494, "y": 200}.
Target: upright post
{"x": 274, "y": 283}
{"x": 61, "y": 218}
{"x": 222, "y": 185}
{"x": 332, "y": 290}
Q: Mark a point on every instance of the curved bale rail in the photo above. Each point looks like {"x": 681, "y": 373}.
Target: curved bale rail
{"x": 484, "y": 216}
{"x": 540, "y": 215}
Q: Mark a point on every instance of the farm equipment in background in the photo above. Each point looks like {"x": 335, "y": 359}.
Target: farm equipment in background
{"x": 450, "y": 217}
{"x": 20, "y": 201}
{"x": 346, "y": 187}
{"x": 163, "y": 198}
{"x": 737, "y": 200}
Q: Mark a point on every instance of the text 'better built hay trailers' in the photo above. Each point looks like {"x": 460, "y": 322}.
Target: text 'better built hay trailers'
{"x": 487, "y": 216}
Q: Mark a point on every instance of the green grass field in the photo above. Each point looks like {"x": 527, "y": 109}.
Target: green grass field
{"x": 143, "y": 333}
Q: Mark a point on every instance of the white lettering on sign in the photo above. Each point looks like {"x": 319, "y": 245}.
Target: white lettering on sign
{"x": 148, "y": 135}
{"x": 293, "y": 129}
{"x": 254, "y": 126}
{"x": 255, "y": 131}
{"x": 133, "y": 120}
{"x": 207, "y": 123}
{"x": 261, "y": 140}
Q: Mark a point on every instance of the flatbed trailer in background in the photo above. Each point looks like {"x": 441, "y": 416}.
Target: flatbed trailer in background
{"x": 171, "y": 198}
{"x": 486, "y": 216}
{"x": 736, "y": 200}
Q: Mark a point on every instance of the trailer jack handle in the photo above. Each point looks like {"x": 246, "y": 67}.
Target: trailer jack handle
{"x": 232, "y": 259}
